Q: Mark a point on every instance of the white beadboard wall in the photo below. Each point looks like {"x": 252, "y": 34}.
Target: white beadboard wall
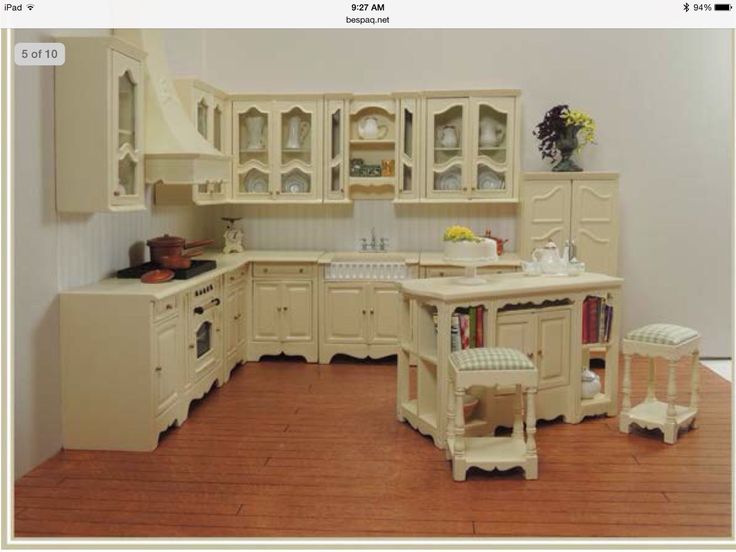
{"x": 92, "y": 247}
{"x": 340, "y": 227}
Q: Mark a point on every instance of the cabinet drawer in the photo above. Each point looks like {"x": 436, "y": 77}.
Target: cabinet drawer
{"x": 165, "y": 307}
{"x": 298, "y": 270}
{"x": 444, "y": 271}
{"x": 235, "y": 277}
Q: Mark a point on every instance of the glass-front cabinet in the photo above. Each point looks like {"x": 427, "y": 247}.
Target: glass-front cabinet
{"x": 278, "y": 150}
{"x": 447, "y": 148}
{"x": 471, "y": 147}
{"x": 335, "y": 171}
{"x": 98, "y": 119}
{"x": 410, "y": 169}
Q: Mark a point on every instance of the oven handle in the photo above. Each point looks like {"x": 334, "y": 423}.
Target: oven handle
{"x": 212, "y": 304}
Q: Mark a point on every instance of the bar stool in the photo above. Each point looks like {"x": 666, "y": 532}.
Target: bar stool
{"x": 490, "y": 367}
{"x": 672, "y": 343}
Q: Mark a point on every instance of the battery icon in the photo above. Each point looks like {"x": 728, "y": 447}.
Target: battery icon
{"x": 723, "y": 7}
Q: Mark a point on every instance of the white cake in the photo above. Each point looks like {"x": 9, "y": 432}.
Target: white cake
{"x": 469, "y": 252}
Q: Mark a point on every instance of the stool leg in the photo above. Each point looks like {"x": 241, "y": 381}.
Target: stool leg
{"x": 458, "y": 453}
{"x": 650, "y": 382}
{"x": 695, "y": 389}
{"x": 670, "y": 424}
{"x": 518, "y": 432}
{"x": 450, "y": 415}
{"x": 624, "y": 421}
{"x": 531, "y": 471}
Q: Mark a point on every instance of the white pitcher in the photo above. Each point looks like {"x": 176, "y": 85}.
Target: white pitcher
{"x": 297, "y": 132}
{"x": 254, "y": 124}
{"x": 492, "y": 133}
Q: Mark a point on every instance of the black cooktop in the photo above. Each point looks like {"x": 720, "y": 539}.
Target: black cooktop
{"x": 197, "y": 268}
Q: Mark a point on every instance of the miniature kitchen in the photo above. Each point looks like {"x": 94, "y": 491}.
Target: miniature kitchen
{"x": 363, "y": 280}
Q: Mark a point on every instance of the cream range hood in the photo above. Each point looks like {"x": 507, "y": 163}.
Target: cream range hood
{"x": 175, "y": 153}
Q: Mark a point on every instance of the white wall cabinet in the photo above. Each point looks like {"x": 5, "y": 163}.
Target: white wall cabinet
{"x": 99, "y": 103}
{"x": 581, "y": 207}
{"x": 277, "y": 144}
{"x": 360, "y": 319}
{"x": 472, "y": 146}
{"x": 335, "y": 147}
{"x": 283, "y": 314}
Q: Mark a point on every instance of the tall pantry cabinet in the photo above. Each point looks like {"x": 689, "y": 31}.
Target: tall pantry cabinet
{"x": 581, "y": 207}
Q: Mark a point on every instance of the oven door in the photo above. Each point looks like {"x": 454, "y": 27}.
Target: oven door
{"x": 205, "y": 345}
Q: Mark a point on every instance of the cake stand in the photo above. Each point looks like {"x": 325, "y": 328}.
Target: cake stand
{"x": 471, "y": 277}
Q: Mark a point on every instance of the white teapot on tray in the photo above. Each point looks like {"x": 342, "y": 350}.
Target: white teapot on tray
{"x": 549, "y": 260}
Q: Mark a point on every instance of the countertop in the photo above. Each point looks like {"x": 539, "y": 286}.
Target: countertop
{"x": 505, "y": 285}
{"x": 225, "y": 263}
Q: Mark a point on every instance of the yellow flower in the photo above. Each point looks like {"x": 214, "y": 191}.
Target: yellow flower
{"x": 574, "y": 117}
{"x": 459, "y": 233}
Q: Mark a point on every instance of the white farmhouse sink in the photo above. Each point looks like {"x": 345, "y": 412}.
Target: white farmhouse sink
{"x": 366, "y": 266}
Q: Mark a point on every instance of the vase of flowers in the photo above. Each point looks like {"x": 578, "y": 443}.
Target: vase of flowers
{"x": 562, "y": 132}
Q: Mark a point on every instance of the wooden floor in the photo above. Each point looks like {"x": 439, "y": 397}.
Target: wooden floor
{"x": 287, "y": 449}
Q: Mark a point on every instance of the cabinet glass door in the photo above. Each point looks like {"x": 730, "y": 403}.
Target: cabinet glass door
{"x": 492, "y": 140}
{"x": 447, "y": 147}
{"x": 409, "y": 149}
{"x": 127, "y": 182}
{"x": 202, "y": 117}
{"x": 298, "y": 143}
{"x": 253, "y": 141}
{"x": 334, "y": 169}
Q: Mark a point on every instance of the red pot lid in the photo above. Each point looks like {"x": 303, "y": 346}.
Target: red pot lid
{"x": 166, "y": 241}
{"x": 157, "y": 276}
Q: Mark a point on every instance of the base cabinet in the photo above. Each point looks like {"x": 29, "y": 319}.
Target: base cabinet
{"x": 167, "y": 348}
{"x": 283, "y": 317}
{"x": 360, "y": 319}
{"x": 544, "y": 336}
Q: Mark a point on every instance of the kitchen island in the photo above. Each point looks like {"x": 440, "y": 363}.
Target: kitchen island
{"x": 542, "y": 316}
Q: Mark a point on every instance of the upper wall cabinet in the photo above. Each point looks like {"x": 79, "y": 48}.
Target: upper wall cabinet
{"x": 373, "y": 134}
{"x": 209, "y": 110}
{"x": 472, "y": 148}
{"x": 278, "y": 150}
{"x": 99, "y": 126}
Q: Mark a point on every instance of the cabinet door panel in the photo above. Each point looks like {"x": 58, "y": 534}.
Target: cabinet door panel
{"x": 345, "y": 313}
{"x": 168, "y": 364}
{"x": 595, "y": 225}
{"x": 266, "y": 313}
{"x": 298, "y": 147}
{"x": 516, "y": 330}
{"x": 297, "y": 311}
{"x": 545, "y": 214}
{"x": 385, "y": 304}
{"x": 231, "y": 322}
{"x": 553, "y": 348}
{"x": 241, "y": 326}
{"x": 127, "y": 106}
{"x": 492, "y": 136}
{"x": 447, "y": 146}
{"x": 253, "y": 130}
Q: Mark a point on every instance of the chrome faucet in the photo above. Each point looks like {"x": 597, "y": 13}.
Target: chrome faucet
{"x": 375, "y": 244}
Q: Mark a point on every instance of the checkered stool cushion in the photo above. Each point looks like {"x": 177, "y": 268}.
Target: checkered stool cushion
{"x": 490, "y": 358}
{"x": 661, "y": 334}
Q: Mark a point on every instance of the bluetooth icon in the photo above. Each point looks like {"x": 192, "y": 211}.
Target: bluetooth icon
{"x": 686, "y": 7}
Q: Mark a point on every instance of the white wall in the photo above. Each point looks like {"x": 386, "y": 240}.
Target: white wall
{"x": 58, "y": 251}
{"x": 662, "y": 101}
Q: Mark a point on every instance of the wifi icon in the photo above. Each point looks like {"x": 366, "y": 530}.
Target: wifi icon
{"x": 30, "y": 7}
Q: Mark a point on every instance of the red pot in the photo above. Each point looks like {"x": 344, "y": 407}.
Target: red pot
{"x": 173, "y": 246}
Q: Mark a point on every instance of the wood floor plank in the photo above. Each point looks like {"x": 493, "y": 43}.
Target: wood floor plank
{"x": 288, "y": 449}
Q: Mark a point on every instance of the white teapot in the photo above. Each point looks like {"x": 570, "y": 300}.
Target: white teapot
{"x": 548, "y": 259}
{"x": 369, "y": 129}
{"x": 590, "y": 384}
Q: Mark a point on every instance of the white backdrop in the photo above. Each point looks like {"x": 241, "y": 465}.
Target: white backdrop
{"x": 662, "y": 100}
